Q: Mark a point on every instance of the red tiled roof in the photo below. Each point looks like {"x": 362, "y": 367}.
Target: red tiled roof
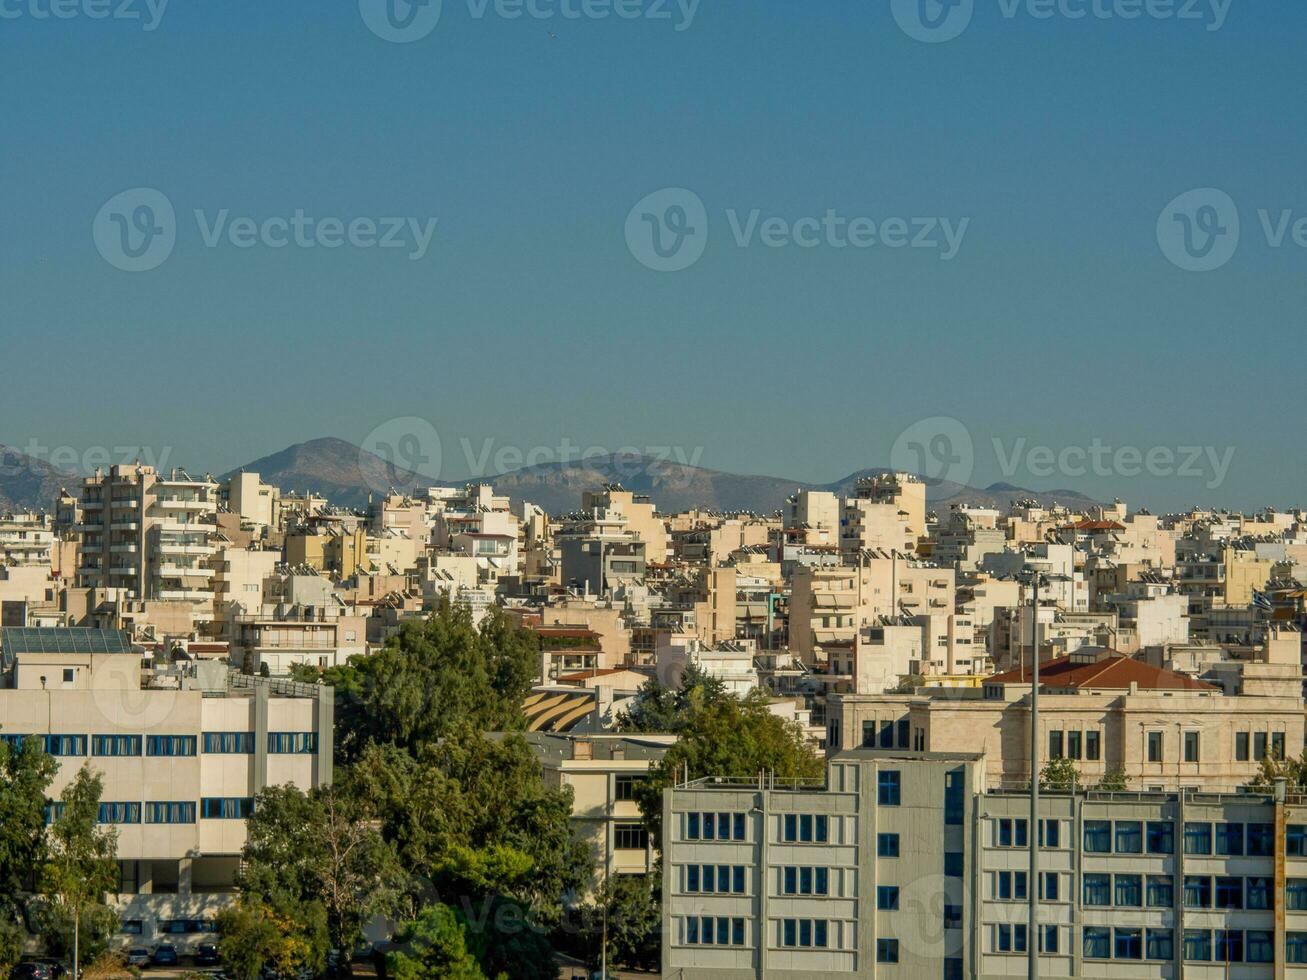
{"x": 1094, "y": 526}
{"x": 1115, "y": 672}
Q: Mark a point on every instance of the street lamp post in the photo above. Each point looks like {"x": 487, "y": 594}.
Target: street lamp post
{"x": 1032, "y": 832}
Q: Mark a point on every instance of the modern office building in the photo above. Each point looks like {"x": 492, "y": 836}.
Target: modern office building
{"x": 182, "y": 753}
{"x": 902, "y": 865}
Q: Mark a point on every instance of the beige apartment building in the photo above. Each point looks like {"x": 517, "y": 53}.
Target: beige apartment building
{"x": 828, "y": 604}
{"x": 150, "y": 535}
{"x": 888, "y": 512}
{"x": 1100, "y": 710}
{"x": 182, "y": 753}
{"x": 603, "y": 772}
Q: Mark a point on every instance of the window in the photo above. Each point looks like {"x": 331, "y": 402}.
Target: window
{"x": 624, "y": 787}
{"x": 292, "y": 743}
{"x": 1154, "y": 746}
{"x": 53, "y": 811}
{"x": 902, "y": 733}
{"x": 229, "y": 743}
{"x": 1073, "y": 745}
{"x": 1161, "y": 892}
{"x": 1295, "y": 894}
{"x": 1295, "y": 947}
{"x": 179, "y": 812}
{"x": 1191, "y": 753}
{"x": 69, "y": 674}
{"x": 737, "y": 880}
{"x": 1050, "y": 833}
{"x": 1098, "y": 943}
{"x": 1295, "y": 840}
{"x": 1229, "y": 893}
{"x": 887, "y": 898}
{"x": 1197, "y": 892}
{"x": 1129, "y": 944}
{"x": 887, "y": 734}
{"x": 1240, "y": 746}
{"x": 114, "y": 745}
{"x": 1048, "y": 887}
{"x": 132, "y": 927}
{"x": 1261, "y": 839}
{"x": 1259, "y": 947}
{"x": 1092, "y": 746}
{"x": 1054, "y": 745}
{"x": 1258, "y": 894}
{"x": 692, "y": 878}
{"x": 888, "y": 787}
{"x": 1159, "y": 944}
{"x": 810, "y": 828}
{"x": 1229, "y": 839}
{"x": 1129, "y": 837}
{"x": 1198, "y": 838}
{"x": 1198, "y": 945}
{"x": 1259, "y": 746}
{"x": 692, "y": 826}
{"x": 1048, "y": 939}
{"x": 119, "y": 813}
{"x": 630, "y": 837}
{"x": 1010, "y": 938}
{"x": 737, "y": 932}
{"x": 804, "y": 932}
{"x": 1098, "y": 836}
{"x": 1277, "y": 744}
{"x": 1229, "y": 946}
{"x": 65, "y": 745}
{"x": 1097, "y": 889}
{"x": 1129, "y": 891}
{"x": 1012, "y": 833}
{"x": 1160, "y": 837}
{"x": 954, "y": 797}
{"x": 1010, "y": 885}
{"x": 953, "y": 864}
{"x": 170, "y": 744}
{"x": 737, "y": 827}
{"x": 887, "y": 950}
{"x": 226, "y": 808}
{"x": 887, "y": 845}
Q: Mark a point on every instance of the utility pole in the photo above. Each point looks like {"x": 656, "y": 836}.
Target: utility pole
{"x": 1032, "y": 832}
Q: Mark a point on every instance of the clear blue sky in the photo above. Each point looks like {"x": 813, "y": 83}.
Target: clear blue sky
{"x": 528, "y": 321}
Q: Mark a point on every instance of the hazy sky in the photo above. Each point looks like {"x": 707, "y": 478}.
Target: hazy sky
{"x": 1031, "y": 157}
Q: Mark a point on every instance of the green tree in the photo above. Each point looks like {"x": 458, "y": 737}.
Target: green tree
{"x": 1114, "y": 780}
{"x": 634, "y": 913}
{"x": 1060, "y": 774}
{"x": 432, "y": 676}
{"x": 25, "y": 775}
{"x": 433, "y": 946}
{"x": 472, "y": 815}
{"x": 253, "y": 935}
{"x": 320, "y": 849}
{"x": 81, "y": 868}
{"x": 1293, "y": 771}
{"x": 730, "y": 737}
{"x": 656, "y": 708}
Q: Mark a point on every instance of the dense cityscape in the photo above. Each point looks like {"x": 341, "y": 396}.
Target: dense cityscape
{"x": 449, "y": 734}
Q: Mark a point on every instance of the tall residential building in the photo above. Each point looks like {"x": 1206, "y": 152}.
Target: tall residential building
{"x": 900, "y": 864}
{"x": 149, "y": 534}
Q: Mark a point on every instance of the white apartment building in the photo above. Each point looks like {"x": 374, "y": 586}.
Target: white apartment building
{"x": 181, "y": 756}
{"x": 149, "y": 534}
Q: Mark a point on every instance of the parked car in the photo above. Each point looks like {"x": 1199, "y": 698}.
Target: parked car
{"x": 165, "y": 954}
{"x": 31, "y": 971}
{"x": 138, "y": 956}
{"x": 206, "y": 954}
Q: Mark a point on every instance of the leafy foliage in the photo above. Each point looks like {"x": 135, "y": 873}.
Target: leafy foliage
{"x": 319, "y": 851}
{"x": 254, "y": 935}
{"x": 728, "y": 737}
{"x": 433, "y": 946}
{"x": 634, "y": 913}
{"x": 81, "y": 868}
{"x": 25, "y": 775}
{"x": 1063, "y": 775}
{"x": 431, "y": 676}
{"x": 1293, "y": 771}
{"x": 656, "y": 708}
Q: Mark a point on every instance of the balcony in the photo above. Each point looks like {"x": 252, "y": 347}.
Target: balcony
{"x": 92, "y": 504}
{"x": 125, "y": 526}
{"x": 171, "y": 548}
{"x": 89, "y": 527}
{"x": 187, "y": 571}
{"x": 124, "y": 549}
{"x": 185, "y": 595}
{"x": 183, "y": 503}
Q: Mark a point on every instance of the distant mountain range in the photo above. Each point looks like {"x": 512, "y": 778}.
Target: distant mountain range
{"x": 346, "y": 475}
{"x": 28, "y": 483}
